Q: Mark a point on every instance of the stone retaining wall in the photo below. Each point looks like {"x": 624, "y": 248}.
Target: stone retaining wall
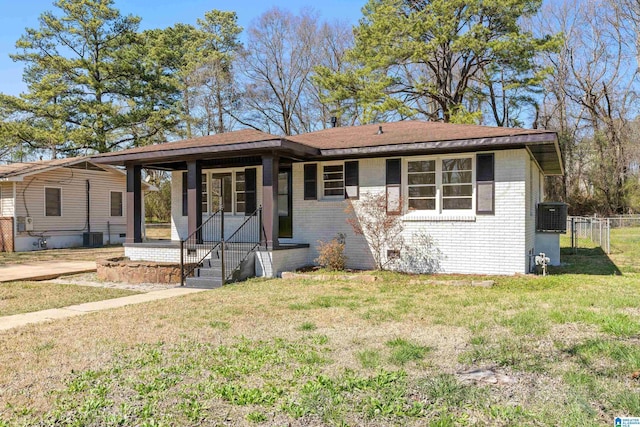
{"x": 125, "y": 270}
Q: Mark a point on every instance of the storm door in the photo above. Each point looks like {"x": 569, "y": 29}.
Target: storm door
{"x": 221, "y": 193}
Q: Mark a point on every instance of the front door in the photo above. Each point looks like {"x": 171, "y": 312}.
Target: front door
{"x": 284, "y": 203}
{"x": 221, "y": 192}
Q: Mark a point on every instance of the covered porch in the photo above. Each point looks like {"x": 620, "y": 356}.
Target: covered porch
{"x": 220, "y": 183}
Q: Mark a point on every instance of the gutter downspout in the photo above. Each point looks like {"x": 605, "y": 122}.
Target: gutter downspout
{"x": 88, "y": 206}
{"x": 15, "y": 214}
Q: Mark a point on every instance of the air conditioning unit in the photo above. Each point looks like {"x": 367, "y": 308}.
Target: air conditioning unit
{"x": 551, "y": 217}
{"x": 28, "y": 223}
{"x": 93, "y": 239}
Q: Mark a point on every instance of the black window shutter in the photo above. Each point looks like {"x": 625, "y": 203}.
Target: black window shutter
{"x": 351, "y": 180}
{"x": 250, "y": 199}
{"x": 485, "y": 167}
{"x": 393, "y": 172}
{"x": 310, "y": 181}
{"x": 184, "y": 194}
{"x": 394, "y": 179}
{"x": 485, "y": 185}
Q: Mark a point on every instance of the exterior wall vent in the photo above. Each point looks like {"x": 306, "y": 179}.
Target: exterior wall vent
{"x": 551, "y": 217}
{"x": 92, "y": 240}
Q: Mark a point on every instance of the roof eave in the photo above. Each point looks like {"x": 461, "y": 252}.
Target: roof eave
{"x": 456, "y": 145}
{"x": 228, "y": 149}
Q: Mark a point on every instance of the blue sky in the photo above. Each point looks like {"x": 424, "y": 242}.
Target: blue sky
{"x": 18, "y": 15}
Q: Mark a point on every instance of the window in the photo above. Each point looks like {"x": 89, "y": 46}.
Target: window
{"x": 333, "y": 180}
{"x": 204, "y": 186}
{"x": 438, "y": 184}
{"x": 52, "y": 201}
{"x": 457, "y": 184}
{"x": 116, "y": 203}
{"x": 421, "y": 184}
{"x": 240, "y": 192}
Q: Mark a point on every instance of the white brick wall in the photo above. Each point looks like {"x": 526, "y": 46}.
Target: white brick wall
{"x": 273, "y": 263}
{"x": 138, "y": 252}
{"x": 487, "y": 244}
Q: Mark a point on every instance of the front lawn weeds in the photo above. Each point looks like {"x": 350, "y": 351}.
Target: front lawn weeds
{"x": 26, "y": 297}
{"x": 332, "y": 352}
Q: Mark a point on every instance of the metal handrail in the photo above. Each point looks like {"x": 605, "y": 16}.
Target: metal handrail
{"x": 195, "y": 241}
{"x": 251, "y": 229}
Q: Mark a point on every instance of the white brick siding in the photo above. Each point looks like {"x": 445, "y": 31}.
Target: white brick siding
{"x": 156, "y": 253}
{"x": 273, "y": 263}
{"x": 470, "y": 243}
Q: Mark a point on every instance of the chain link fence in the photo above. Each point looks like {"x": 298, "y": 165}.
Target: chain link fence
{"x": 598, "y": 230}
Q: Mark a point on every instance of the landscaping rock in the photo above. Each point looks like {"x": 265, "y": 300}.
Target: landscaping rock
{"x": 123, "y": 270}
{"x": 486, "y": 376}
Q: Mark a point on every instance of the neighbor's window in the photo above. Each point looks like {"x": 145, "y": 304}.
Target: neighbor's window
{"x": 421, "y": 183}
{"x": 116, "y": 203}
{"x": 240, "y": 192}
{"x": 52, "y": 201}
{"x": 457, "y": 184}
{"x": 333, "y": 180}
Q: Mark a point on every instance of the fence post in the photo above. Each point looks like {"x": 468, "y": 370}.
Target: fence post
{"x": 608, "y": 237}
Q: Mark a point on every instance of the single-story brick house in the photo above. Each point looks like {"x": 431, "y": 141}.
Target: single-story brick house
{"x": 473, "y": 189}
{"x": 61, "y": 203}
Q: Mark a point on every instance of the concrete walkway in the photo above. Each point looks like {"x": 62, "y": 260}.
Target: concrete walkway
{"x": 9, "y": 322}
{"x": 44, "y": 270}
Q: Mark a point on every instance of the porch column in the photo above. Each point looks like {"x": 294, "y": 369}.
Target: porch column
{"x": 194, "y": 197}
{"x": 134, "y": 204}
{"x": 270, "y": 166}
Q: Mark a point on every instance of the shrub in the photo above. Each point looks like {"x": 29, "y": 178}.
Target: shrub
{"x": 331, "y": 254}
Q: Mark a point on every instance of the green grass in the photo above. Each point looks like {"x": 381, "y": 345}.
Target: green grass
{"x": 26, "y": 297}
{"x": 336, "y": 352}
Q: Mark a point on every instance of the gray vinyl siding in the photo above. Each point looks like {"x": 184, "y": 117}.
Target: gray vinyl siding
{"x": 30, "y": 197}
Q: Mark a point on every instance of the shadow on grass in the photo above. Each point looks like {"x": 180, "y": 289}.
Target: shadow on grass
{"x": 585, "y": 261}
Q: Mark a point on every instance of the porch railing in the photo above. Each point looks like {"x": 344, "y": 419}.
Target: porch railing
{"x": 199, "y": 244}
{"x": 235, "y": 249}
{"x": 232, "y": 251}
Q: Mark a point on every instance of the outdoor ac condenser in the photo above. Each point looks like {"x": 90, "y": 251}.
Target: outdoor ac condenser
{"x": 551, "y": 217}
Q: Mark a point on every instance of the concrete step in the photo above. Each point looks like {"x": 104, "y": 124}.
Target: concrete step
{"x": 208, "y": 272}
{"x": 203, "y": 282}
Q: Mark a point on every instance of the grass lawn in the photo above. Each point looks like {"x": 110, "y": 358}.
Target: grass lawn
{"x": 337, "y": 352}
{"x": 72, "y": 254}
{"x": 25, "y": 297}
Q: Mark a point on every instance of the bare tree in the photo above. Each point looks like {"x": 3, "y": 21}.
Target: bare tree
{"x": 590, "y": 101}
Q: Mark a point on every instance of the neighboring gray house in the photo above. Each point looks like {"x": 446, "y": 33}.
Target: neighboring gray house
{"x": 61, "y": 203}
{"x": 473, "y": 189}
